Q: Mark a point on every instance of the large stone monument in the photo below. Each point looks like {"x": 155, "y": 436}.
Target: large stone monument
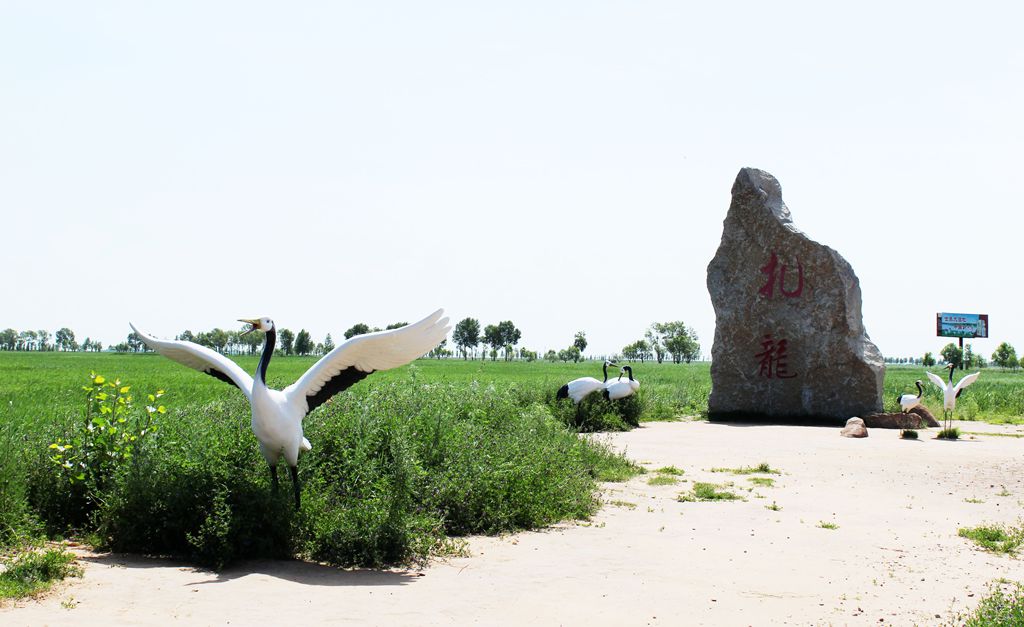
{"x": 789, "y": 339}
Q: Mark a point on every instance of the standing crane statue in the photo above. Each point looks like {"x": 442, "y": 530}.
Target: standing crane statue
{"x": 950, "y": 393}
{"x": 277, "y": 414}
{"x": 617, "y": 389}
{"x": 909, "y": 401}
{"x": 577, "y": 389}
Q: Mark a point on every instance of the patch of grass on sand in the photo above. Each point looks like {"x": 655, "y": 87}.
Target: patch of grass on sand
{"x": 708, "y": 492}
{"x": 1003, "y": 606}
{"x": 827, "y": 525}
{"x": 32, "y": 572}
{"x": 762, "y": 468}
{"x": 670, "y": 470}
{"x": 995, "y": 538}
{"x": 765, "y": 482}
{"x": 774, "y": 507}
{"x": 662, "y": 480}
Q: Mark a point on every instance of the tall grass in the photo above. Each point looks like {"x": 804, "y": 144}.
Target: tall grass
{"x": 400, "y": 465}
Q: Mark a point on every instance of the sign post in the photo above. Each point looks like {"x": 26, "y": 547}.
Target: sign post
{"x": 960, "y": 326}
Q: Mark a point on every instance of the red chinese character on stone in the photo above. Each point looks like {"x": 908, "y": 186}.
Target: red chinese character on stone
{"x": 772, "y": 358}
{"x": 768, "y": 289}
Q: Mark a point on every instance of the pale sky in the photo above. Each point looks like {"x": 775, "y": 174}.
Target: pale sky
{"x": 563, "y": 165}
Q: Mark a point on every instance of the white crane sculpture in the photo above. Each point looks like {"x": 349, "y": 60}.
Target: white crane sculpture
{"x": 909, "y": 401}
{"x": 277, "y": 415}
{"x": 951, "y": 392}
{"x": 577, "y": 389}
{"x": 621, "y": 389}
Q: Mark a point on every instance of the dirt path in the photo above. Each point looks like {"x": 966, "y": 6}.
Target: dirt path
{"x": 647, "y": 558}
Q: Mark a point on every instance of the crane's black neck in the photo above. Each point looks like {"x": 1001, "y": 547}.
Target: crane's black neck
{"x": 606, "y": 372}
{"x": 629, "y": 371}
{"x": 268, "y": 352}
{"x": 951, "y": 373}
{"x": 920, "y": 390}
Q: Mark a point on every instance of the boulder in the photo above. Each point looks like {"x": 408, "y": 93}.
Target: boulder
{"x": 854, "y": 429}
{"x": 789, "y": 337}
{"x": 916, "y": 418}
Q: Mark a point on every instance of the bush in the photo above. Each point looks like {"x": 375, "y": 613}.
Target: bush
{"x": 596, "y": 413}
{"x": 16, "y": 521}
{"x": 31, "y": 572}
{"x": 396, "y": 470}
{"x": 999, "y": 608}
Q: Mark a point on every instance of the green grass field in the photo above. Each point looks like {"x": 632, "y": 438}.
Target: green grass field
{"x": 401, "y": 463}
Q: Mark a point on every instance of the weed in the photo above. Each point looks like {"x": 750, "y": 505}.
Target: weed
{"x": 670, "y": 470}
{"x": 773, "y": 507}
{"x": 662, "y": 480}
{"x": 708, "y": 492}
{"x": 762, "y": 468}
{"x": 827, "y": 525}
{"x": 625, "y": 504}
{"x": 765, "y": 482}
{"x": 31, "y": 572}
{"x": 995, "y": 538}
{"x": 908, "y": 434}
{"x": 973, "y": 501}
{"x": 949, "y": 433}
{"x": 1003, "y": 606}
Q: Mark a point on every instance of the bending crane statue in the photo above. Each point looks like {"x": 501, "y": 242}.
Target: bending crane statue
{"x": 951, "y": 392}
{"x": 277, "y": 415}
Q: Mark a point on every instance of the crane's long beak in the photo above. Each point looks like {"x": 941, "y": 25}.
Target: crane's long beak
{"x": 254, "y": 322}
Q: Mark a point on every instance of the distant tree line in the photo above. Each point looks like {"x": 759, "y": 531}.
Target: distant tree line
{"x": 1005, "y": 356}
{"x": 503, "y": 337}
{"x": 39, "y": 340}
{"x": 663, "y": 340}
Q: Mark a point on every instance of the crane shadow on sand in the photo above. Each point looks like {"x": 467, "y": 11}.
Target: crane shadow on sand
{"x": 296, "y": 571}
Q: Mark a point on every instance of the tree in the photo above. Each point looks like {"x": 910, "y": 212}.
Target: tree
{"x": 509, "y": 337}
{"x": 655, "y": 342}
{"x": 287, "y": 337}
{"x": 134, "y": 342}
{"x": 928, "y": 361}
{"x": 676, "y": 339}
{"x": 303, "y": 343}
{"x": 952, "y": 354}
{"x": 27, "y": 339}
{"x": 64, "y": 339}
{"x": 252, "y": 340}
{"x": 359, "y": 328}
{"x": 187, "y": 336}
{"x": 328, "y": 343}
{"x": 440, "y": 350}
{"x": 396, "y": 325}
{"x": 580, "y": 341}
{"x": 1005, "y": 356}
{"x": 44, "y": 339}
{"x": 466, "y": 335}
{"x": 8, "y": 339}
{"x": 639, "y": 349}
{"x": 551, "y": 355}
{"x": 494, "y": 339}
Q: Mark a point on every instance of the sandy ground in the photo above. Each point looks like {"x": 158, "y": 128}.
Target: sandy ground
{"x": 646, "y": 558}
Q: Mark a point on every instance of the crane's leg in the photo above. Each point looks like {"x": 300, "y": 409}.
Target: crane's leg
{"x": 295, "y": 483}
{"x": 273, "y": 479}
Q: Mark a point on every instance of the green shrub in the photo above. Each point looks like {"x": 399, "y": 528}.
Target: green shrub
{"x": 16, "y": 520}
{"x": 396, "y": 470}
{"x": 596, "y": 413}
{"x": 995, "y": 538}
{"x": 1002, "y": 607}
{"x": 31, "y": 572}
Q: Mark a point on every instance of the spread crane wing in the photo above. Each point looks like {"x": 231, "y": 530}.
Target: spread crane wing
{"x": 969, "y": 379}
{"x": 361, "y": 356}
{"x": 937, "y": 380}
{"x": 202, "y": 359}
